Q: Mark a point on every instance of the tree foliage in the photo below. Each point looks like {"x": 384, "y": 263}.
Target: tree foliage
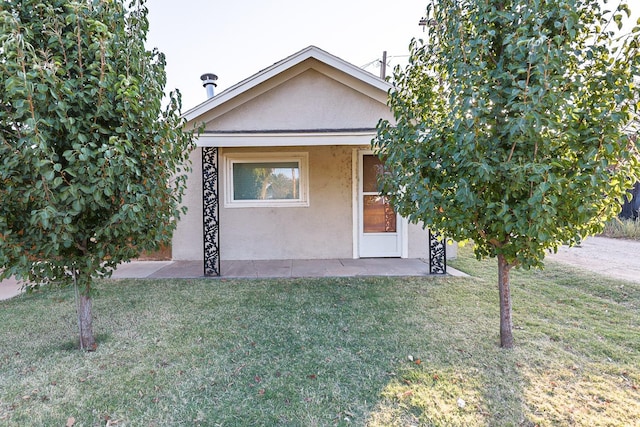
{"x": 510, "y": 124}
{"x": 92, "y": 167}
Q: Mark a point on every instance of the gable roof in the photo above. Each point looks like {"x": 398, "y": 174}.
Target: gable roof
{"x": 337, "y": 68}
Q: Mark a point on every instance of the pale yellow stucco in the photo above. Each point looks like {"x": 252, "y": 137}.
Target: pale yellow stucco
{"x": 188, "y": 242}
{"x": 321, "y": 230}
{"x": 309, "y": 100}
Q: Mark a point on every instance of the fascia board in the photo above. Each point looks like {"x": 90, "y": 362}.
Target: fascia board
{"x": 285, "y": 139}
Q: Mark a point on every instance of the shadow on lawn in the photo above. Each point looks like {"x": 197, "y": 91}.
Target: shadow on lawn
{"x": 73, "y": 345}
{"x": 453, "y": 394}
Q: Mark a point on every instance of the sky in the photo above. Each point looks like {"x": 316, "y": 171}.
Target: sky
{"x": 235, "y": 39}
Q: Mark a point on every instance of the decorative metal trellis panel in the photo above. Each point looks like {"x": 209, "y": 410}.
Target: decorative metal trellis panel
{"x": 437, "y": 254}
{"x": 211, "y": 213}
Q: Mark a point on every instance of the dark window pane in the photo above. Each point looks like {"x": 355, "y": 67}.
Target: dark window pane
{"x": 371, "y": 169}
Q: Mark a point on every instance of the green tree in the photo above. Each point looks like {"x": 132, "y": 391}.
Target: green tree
{"x": 509, "y": 127}
{"x": 92, "y": 167}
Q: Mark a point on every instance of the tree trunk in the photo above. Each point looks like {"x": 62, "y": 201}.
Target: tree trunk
{"x": 85, "y": 315}
{"x": 506, "y": 323}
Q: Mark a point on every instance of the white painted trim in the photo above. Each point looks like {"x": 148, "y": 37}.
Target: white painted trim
{"x": 284, "y": 139}
{"x": 303, "y": 161}
{"x": 405, "y": 237}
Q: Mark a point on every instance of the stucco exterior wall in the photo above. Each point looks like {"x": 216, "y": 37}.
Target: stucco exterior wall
{"x": 322, "y": 230}
{"x": 419, "y": 243}
{"x": 187, "y": 241}
{"x": 307, "y": 101}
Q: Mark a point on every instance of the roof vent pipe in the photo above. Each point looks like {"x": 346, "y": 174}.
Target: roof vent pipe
{"x": 209, "y": 83}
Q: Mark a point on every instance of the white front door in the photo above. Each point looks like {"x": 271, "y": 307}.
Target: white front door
{"x": 379, "y": 227}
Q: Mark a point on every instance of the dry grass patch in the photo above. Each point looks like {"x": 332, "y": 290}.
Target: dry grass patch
{"x": 623, "y": 228}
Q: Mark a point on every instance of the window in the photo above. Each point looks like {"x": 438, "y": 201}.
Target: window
{"x": 378, "y": 215}
{"x": 266, "y": 179}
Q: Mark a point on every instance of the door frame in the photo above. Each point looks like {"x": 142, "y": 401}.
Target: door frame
{"x": 402, "y": 223}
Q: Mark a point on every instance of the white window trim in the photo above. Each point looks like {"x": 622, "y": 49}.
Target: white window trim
{"x": 285, "y": 156}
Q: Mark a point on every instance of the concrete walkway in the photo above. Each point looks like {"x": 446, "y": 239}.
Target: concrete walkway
{"x": 263, "y": 269}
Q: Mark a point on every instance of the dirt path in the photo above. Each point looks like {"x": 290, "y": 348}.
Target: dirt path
{"x": 610, "y": 257}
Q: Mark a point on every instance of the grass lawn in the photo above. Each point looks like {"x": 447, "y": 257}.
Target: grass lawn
{"x": 310, "y": 352}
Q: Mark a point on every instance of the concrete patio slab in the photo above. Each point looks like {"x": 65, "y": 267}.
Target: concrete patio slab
{"x": 271, "y": 269}
{"x": 182, "y": 269}
{"x": 138, "y": 269}
{"x": 388, "y": 266}
{"x": 318, "y": 267}
{"x": 328, "y": 268}
{"x": 237, "y": 269}
{"x": 282, "y": 268}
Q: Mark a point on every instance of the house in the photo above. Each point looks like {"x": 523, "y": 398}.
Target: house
{"x": 284, "y": 170}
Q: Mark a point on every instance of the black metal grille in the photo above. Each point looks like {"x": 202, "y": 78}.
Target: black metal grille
{"x": 211, "y": 214}
{"x": 437, "y": 254}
